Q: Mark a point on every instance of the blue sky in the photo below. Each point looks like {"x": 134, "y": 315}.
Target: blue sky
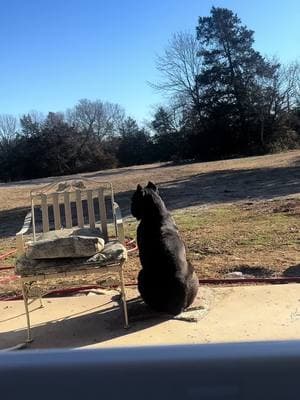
{"x": 54, "y": 52}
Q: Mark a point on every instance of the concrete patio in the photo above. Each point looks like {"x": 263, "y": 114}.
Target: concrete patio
{"x": 223, "y": 314}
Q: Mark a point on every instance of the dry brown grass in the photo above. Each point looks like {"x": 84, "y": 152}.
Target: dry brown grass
{"x": 234, "y": 215}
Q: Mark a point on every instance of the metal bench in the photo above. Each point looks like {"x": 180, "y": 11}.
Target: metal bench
{"x": 81, "y": 203}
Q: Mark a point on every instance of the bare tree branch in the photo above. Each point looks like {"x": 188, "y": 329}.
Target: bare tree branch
{"x": 8, "y": 127}
{"x": 100, "y": 118}
{"x": 179, "y": 68}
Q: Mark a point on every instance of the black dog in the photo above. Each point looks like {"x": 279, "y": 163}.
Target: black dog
{"x": 167, "y": 281}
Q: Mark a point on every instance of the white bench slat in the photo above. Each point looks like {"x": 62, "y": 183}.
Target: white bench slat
{"x": 57, "y": 222}
{"x": 68, "y": 210}
{"x": 45, "y": 215}
{"x": 91, "y": 211}
{"x": 102, "y": 212}
{"x": 80, "y": 219}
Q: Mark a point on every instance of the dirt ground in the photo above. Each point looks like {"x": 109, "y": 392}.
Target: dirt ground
{"x": 234, "y": 215}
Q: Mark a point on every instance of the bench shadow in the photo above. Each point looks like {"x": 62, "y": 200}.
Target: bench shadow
{"x": 77, "y": 329}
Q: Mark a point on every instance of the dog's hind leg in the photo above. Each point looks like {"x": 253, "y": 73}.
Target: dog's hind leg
{"x": 192, "y": 289}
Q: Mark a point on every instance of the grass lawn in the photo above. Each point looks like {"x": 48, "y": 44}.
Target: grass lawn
{"x": 234, "y": 215}
{"x": 260, "y": 239}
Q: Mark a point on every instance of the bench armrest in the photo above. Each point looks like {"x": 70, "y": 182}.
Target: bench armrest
{"x": 23, "y": 231}
{"x": 119, "y": 223}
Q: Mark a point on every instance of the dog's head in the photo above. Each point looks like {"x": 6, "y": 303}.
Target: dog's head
{"x": 142, "y": 198}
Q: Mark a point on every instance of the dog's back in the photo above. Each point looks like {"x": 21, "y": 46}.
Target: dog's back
{"x": 167, "y": 282}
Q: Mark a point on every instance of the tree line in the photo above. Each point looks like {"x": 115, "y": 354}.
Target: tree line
{"x": 223, "y": 99}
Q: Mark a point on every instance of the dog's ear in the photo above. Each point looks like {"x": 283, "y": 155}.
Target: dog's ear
{"x": 151, "y": 186}
{"x": 139, "y": 188}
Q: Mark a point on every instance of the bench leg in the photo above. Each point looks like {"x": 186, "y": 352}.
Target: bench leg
{"x": 25, "y": 298}
{"x": 123, "y": 294}
{"x": 41, "y": 301}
